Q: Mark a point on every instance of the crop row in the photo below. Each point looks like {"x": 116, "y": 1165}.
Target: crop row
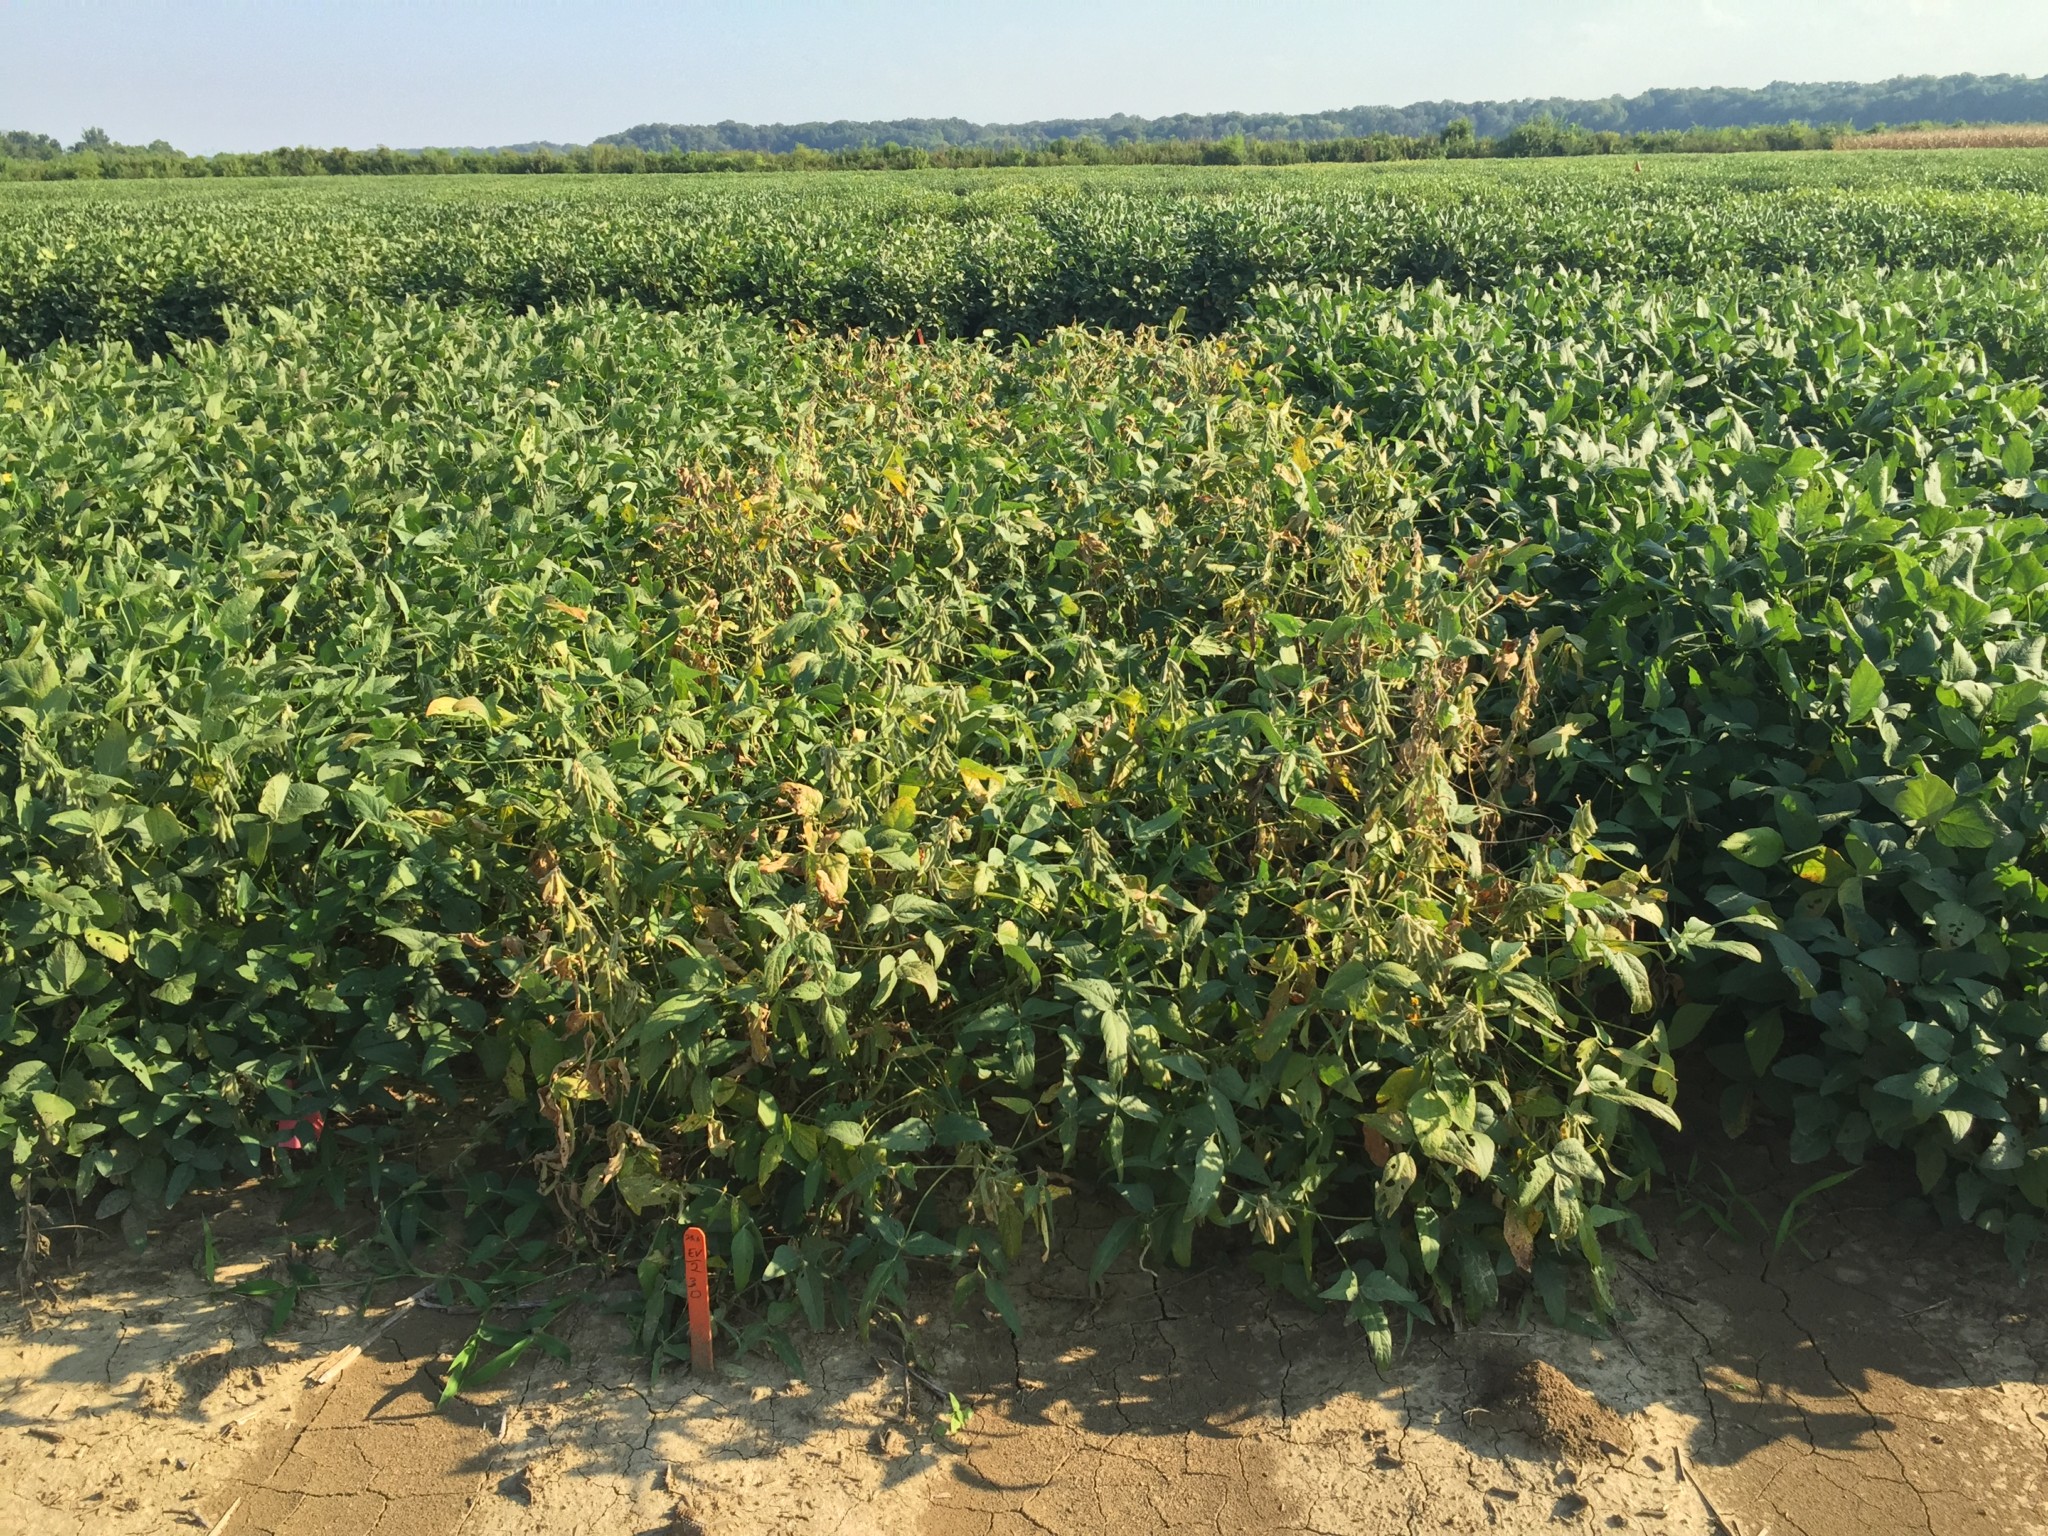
{"x": 960, "y": 255}
{"x": 1791, "y": 564}
{"x": 770, "y": 783}
{"x": 1324, "y": 781}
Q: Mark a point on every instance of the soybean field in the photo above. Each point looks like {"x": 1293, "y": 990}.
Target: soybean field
{"x": 1325, "y": 711}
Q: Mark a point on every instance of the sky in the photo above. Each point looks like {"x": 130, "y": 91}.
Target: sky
{"x": 212, "y": 75}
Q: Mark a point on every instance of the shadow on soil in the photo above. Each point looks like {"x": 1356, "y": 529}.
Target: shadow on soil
{"x": 1870, "y": 1374}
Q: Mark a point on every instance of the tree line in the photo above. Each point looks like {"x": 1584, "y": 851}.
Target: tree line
{"x": 1778, "y": 116}
{"x": 1906, "y": 99}
{"x": 1459, "y": 140}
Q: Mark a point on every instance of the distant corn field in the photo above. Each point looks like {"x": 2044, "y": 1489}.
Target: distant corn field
{"x": 2008, "y": 136}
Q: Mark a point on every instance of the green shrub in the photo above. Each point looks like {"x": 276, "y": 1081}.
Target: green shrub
{"x": 1790, "y": 581}
{"x": 841, "y": 794}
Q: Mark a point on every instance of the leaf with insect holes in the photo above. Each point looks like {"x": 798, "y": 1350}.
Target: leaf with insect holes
{"x": 1955, "y": 924}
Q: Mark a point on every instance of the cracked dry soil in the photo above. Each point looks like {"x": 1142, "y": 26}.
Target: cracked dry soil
{"x": 1875, "y": 1377}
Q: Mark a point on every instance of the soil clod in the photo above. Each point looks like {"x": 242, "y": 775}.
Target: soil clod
{"x": 1538, "y": 1400}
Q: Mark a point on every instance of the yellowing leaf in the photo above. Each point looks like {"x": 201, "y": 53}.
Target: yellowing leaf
{"x": 112, "y": 945}
{"x": 1822, "y": 867}
{"x": 983, "y": 783}
{"x": 1399, "y": 1086}
{"x": 804, "y": 800}
{"x": 831, "y": 873}
{"x": 446, "y": 705}
{"x": 902, "y": 816}
{"x": 641, "y": 1184}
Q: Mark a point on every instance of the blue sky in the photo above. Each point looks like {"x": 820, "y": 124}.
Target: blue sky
{"x": 249, "y": 74}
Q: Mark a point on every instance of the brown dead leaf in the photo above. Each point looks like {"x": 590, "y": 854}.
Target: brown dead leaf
{"x": 1520, "y": 1228}
{"x": 804, "y": 800}
{"x": 716, "y": 923}
{"x": 546, "y": 870}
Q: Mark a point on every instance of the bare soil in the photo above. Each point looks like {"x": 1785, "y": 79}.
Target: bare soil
{"x": 1873, "y": 1375}
{"x": 1536, "y": 1399}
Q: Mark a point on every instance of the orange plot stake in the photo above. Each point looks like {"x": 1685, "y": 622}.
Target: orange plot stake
{"x": 697, "y": 1286}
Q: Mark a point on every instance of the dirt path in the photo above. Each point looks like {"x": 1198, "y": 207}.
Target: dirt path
{"x": 1871, "y": 1377}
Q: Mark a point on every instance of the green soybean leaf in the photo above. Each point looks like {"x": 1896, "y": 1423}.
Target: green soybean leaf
{"x": 1969, "y": 825}
{"x": 1762, "y": 847}
{"x": 1763, "y": 1040}
{"x": 1207, "y": 1180}
{"x": 285, "y": 800}
{"x": 1866, "y": 690}
{"x": 1924, "y": 799}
